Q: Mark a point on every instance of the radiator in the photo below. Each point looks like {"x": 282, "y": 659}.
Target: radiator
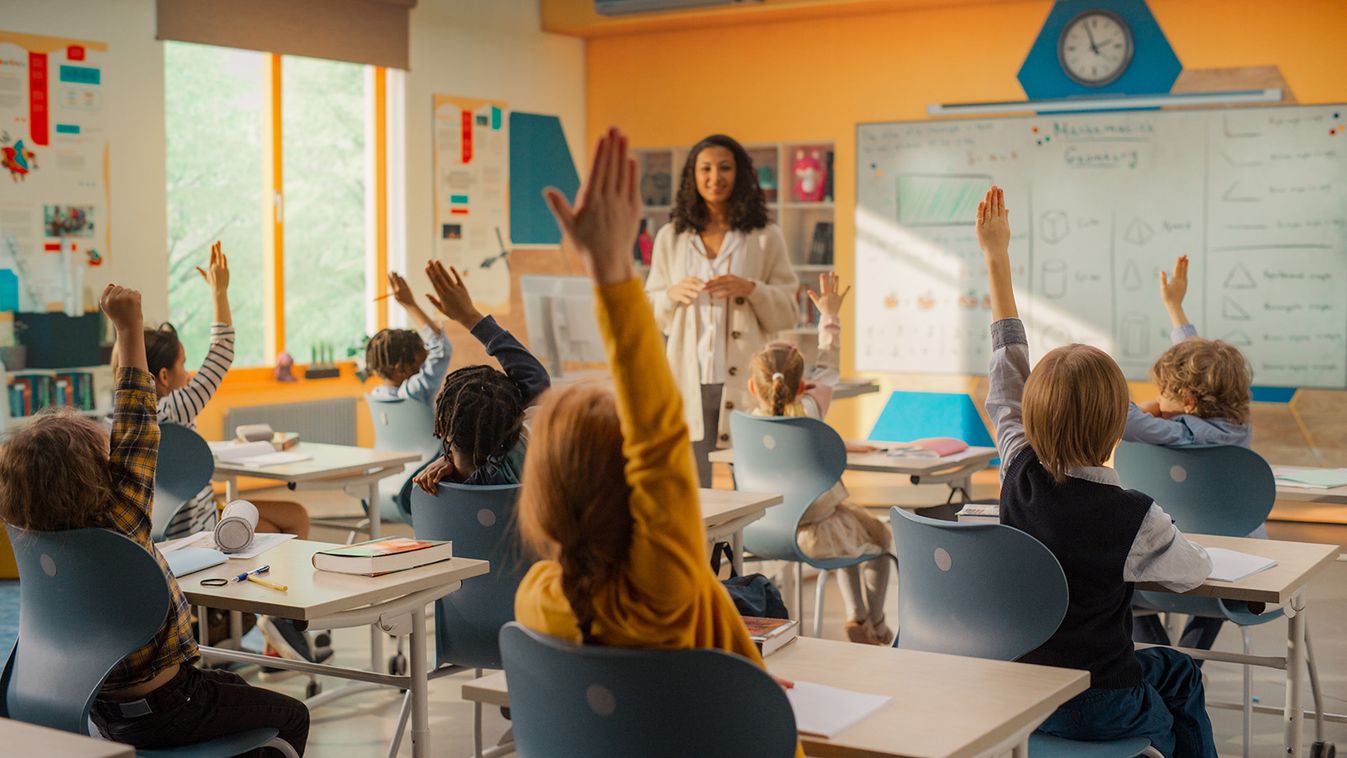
{"x": 331, "y": 421}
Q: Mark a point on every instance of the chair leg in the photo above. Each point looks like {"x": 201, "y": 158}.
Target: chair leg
{"x": 1248, "y": 693}
{"x": 282, "y": 747}
{"x": 799, "y": 591}
{"x": 818, "y": 601}
{"x": 477, "y": 722}
{"x": 1314, "y": 687}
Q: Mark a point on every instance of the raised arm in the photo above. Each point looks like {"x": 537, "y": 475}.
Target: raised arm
{"x": 182, "y": 406}
{"x": 1010, "y": 346}
{"x": 826, "y": 373}
{"x": 668, "y": 540}
{"x": 135, "y": 429}
{"x": 1172, "y": 291}
{"x": 422, "y": 385}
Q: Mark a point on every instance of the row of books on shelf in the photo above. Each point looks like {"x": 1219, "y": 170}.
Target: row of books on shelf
{"x": 30, "y": 393}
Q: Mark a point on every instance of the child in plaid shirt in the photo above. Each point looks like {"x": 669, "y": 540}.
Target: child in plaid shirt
{"x": 60, "y": 473}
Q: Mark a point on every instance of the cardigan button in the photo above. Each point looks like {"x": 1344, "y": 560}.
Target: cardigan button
{"x": 724, "y": 438}
{"x": 736, "y": 335}
{"x": 729, "y": 406}
{"x": 738, "y": 301}
{"x": 733, "y": 371}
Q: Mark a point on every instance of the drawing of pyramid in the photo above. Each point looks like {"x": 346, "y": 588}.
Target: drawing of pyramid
{"x": 1132, "y": 276}
{"x": 1239, "y": 279}
{"x": 1232, "y": 310}
{"x": 1138, "y": 232}
{"x": 1237, "y": 338}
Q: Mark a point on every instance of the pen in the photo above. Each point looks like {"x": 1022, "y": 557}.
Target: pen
{"x": 245, "y": 575}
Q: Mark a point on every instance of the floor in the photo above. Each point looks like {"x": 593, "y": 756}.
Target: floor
{"x": 362, "y": 725}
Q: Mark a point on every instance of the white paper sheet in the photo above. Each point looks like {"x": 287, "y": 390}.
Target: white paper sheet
{"x": 1232, "y": 565}
{"x": 829, "y": 711}
{"x": 274, "y": 459}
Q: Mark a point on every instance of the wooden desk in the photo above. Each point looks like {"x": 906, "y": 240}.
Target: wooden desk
{"x": 943, "y": 706}
{"x": 1336, "y": 495}
{"x": 334, "y": 601}
{"x": 329, "y": 467}
{"x": 20, "y": 738}
{"x": 726, "y": 512}
{"x": 1297, "y": 564}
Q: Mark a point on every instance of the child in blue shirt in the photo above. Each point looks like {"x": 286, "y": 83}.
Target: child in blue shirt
{"x": 411, "y": 364}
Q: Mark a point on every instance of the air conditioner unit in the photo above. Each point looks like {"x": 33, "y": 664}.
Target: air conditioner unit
{"x": 630, "y": 7}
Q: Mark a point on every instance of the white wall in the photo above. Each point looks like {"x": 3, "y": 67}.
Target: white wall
{"x": 476, "y": 48}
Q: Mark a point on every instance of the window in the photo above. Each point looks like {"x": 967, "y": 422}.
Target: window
{"x": 295, "y": 214}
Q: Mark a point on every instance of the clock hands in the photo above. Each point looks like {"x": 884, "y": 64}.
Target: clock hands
{"x": 1093, "y": 47}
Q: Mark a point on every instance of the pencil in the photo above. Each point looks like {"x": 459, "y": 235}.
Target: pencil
{"x": 265, "y": 583}
{"x": 384, "y": 296}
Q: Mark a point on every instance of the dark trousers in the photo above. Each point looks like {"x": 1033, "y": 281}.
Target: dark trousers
{"x": 711, "y": 397}
{"x": 1169, "y": 709}
{"x": 1199, "y": 633}
{"x": 199, "y": 705}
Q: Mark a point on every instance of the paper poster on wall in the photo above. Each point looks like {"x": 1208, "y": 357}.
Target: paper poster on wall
{"x": 54, "y": 153}
{"x": 472, "y": 163}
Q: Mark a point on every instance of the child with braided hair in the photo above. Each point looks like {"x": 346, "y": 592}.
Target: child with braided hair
{"x": 480, "y": 413}
{"x": 411, "y": 364}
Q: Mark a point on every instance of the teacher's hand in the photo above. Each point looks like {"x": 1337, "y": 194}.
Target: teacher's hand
{"x": 686, "y": 291}
{"x": 729, "y": 285}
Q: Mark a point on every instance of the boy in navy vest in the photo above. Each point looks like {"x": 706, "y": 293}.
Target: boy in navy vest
{"x": 1055, "y": 428}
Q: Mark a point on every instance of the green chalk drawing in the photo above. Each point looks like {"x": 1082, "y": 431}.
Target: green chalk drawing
{"x": 940, "y": 200}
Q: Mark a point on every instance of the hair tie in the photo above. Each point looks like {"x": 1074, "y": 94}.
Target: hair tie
{"x": 778, "y": 377}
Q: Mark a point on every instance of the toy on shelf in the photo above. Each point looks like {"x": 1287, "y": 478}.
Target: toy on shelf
{"x": 285, "y": 368}
{"x": 321, "y": 365}
{"x": 644, "y": 247}
{"x": 809, "y": 177}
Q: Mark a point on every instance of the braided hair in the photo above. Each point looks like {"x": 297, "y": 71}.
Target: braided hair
{"x": 778, "y": 370}
{"x": 479, "y": 411}
{"x": 392, "y": 349}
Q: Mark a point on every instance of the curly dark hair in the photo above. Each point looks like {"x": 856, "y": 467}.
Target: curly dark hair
{"x": 748, "y": 205}
{"x": 390, "y": 349}
{"x": 479, "y": 411}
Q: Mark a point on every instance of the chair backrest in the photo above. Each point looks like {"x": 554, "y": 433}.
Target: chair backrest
{"x": 184, "y": 468}
{"x": 801, "y": 458}
{"x": 87, "y": 599}
{"x": 568, "y": 700}
{"x": 403, "y": 426}
{"x": 481, "y": 523}
{"x": 980, "y": 590}
{"x": 1219, "y": 489}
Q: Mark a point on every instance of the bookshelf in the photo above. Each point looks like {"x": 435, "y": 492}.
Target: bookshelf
{"x": 801, "y": 216}
{"x": 101, "y": 393}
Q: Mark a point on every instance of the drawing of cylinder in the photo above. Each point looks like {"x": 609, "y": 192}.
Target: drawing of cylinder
{"x": 1135, "y": 334}
{"x": 1052, "y": 278}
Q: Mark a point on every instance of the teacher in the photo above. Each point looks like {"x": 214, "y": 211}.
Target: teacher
{"x": 721, "y": 285}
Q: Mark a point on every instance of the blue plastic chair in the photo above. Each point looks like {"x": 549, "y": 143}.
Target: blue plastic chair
{"x": 801, "y": 458}
{"x": 480, "y": 520}
{"x": 89, "y": 598}
{"x": 957, "y": 597}
{"x": 403, "y": 426}
{"x": 1222, "y": 490}
{"x": 185, "y": 467}
{"x": 569, "y": 700}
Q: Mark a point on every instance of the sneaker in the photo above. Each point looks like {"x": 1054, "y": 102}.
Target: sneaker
{"x": 285, "y": 639}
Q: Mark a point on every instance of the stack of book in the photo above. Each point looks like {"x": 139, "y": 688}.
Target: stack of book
{"x": 31, "y": 392}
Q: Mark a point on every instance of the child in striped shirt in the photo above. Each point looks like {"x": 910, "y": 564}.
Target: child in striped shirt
{"x": 182, "y": 398}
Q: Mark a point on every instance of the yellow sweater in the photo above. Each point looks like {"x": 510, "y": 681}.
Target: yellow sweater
{"x": 667, "y": 596}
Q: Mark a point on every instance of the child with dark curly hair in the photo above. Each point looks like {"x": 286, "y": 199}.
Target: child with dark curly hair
{"x": 412, "y": 363}
{"x": 480, "y": 413}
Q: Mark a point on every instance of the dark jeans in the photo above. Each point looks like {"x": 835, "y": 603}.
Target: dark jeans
{"x": 202, "y": 704}
{"x": 711, "y": 398}
{"x": 1199, "y": 633}
{"x": 1168, "y": 708}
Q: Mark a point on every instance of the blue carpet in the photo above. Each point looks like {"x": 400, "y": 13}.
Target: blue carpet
{"x": 9, "y": 614}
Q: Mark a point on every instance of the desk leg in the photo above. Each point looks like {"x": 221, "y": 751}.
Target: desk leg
{"x": 231, "y": 483}
{"x": 1021, "y": 750}
{"x": 1293, "y": 717}
{"x": 374, "y": 520}
{"x": 376, "y": 635}
{"x": 420, "y": 711}
{"x": 737, "y": 551}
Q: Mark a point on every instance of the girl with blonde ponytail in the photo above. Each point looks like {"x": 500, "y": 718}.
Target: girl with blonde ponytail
{"x": 609, "y": 500}
{"x": 832, "y": 527}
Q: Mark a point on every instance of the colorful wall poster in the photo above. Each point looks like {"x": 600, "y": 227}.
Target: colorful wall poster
{"x": 54, "y": 153}
{"x": 471, "y": 168}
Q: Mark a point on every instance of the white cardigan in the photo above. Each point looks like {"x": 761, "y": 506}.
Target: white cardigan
{"x": 754, "y": 320}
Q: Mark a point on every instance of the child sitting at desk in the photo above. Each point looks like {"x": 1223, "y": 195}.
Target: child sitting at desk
{"x": 610, "y": 493}
{"x": 61, "y": 473}
{"x": 411, "y": 364}
{"x": 1204, "y": 400}
{"x": 481, "y": 414}
{"x": 832, "y": 527}
{"x": 1055, "y": 428}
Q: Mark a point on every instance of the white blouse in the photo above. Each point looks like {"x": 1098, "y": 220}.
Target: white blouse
{"x": 712, "y": 313}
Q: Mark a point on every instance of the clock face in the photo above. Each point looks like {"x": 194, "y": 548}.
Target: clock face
{"x": 1095, "y": 48}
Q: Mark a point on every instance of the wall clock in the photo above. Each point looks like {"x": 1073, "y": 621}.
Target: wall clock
{"x": 1099, "y": 47}
{"x": 1095, "y": 47}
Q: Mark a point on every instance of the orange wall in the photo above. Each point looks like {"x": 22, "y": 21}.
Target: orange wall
{"x": 815, "y": 79}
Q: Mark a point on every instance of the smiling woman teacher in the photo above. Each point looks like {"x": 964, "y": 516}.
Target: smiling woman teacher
{"x": 721, "y": 285}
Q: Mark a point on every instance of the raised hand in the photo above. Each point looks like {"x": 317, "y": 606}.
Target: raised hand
{"x": 122, "y": 306}
{"x": 1173, "y": 289}
{"x": 993, "y": 231}
{"x": 604, "y": 222}
{"x": 828, "y": 300}
{"x": 401, "y": 291}
{"x": 451, "y": 296}
{"x": 216, "y": 272}
{"x": 686, "y": 291}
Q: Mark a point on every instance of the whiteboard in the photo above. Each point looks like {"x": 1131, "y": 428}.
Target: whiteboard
{"x": 1099, "y": 205}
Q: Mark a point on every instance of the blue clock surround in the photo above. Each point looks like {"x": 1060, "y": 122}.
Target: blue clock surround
{"x": 1154, "y": 66}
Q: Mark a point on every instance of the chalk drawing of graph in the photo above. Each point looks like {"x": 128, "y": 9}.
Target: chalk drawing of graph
{"x": 940, "y": 199}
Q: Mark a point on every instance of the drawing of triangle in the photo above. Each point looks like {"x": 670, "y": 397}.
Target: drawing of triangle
{"x": 1138, "y": 232}
{"x": 1233, "y": 311}
{"x": 1132, "y": 276}
{"x": 1239, "y": 279}
{"x": 1238, "y": 338}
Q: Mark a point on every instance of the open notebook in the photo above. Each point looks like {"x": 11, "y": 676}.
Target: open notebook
{"x": 1232, "y": 565}
{"x": 1311, "y": 478}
